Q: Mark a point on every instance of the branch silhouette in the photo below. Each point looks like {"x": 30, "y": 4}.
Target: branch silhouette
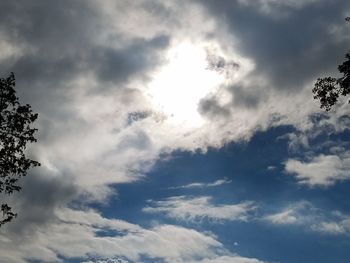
{"x": 15, "y": 133}
{"x": 328, "y": 90}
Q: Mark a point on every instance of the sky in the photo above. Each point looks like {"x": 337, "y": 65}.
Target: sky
{"x": 179, "y": 131}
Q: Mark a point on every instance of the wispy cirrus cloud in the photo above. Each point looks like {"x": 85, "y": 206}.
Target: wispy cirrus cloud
{"x": 275, "y": 7}
{"x": 193, "y": 208}
{"x": 203, "y": 185}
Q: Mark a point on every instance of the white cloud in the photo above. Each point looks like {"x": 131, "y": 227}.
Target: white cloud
{"x": 322, "y": 170}
{"x": 330, "y": 228}
{"x": 229, "y": 259}
{"x": 185, "y": 208}
{"x": 311, "y": 218}
{"x": 110, "y": 260}
{"x": 75, "y": 233}
{"x": 220, "y": 259}
{"x": 289, "y": 215}
{"x": 202, "y": 185}
{"x": 284, "y": 217}
{"x": 277, "y": 8}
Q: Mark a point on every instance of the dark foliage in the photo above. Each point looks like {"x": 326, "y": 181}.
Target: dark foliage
{"x": 15, "y": 133}
{"x": 327, "y": 90}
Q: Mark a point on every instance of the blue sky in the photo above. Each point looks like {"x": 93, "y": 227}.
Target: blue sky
{"x": 251, "y": 171}
{"x": 179, "y": 131}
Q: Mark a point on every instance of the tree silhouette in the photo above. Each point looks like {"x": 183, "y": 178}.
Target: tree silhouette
{"x": 15, "y": 132}
{"x": 327, "y": 90}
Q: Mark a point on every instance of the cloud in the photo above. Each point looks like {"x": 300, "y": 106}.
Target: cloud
{"x": 118, "y": 65}
{"x": 221, "y": 259}
{"x": 280, "y": 46}
{"x": 289, "y": 215}
{"x": 322, "y": 170}
{"x": 306, "y": 215}
{"x": 78, "y": 237}
{"x": 42, "y": 192}
{"x": 229, "y": 259}
{"x": 276, "y": 8}
{"x": 111, "y": 260}
{"x": 264, "y": 89}
{"x": 185, "y": 208}
{"x": 203, "y": 185}
{"x": 76, "y": 233}
{"x": 334, "y": 228}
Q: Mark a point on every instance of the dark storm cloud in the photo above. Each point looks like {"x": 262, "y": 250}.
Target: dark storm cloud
{"x": 289, "y": 45}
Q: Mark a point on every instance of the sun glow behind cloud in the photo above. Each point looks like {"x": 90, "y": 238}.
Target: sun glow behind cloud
{"x": 178, "y": 87}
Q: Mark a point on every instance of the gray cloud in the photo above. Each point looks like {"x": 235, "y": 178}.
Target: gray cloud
{"x": 211, "y": 108}
{"x": 290, "y": 45}
{"x": 219, "y": 64}
{"x": 42, "y": 193}
{"x": 59, "y": 41}
{"x": 54, "y": 34}
{"x": 120, "y": 65}
{"x": 290, "y": 50}
{"x": 248, "y": 97}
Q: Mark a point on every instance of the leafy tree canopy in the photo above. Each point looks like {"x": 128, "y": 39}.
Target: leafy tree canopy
{"x": 327, "y": 90}
{"x": 15, "y": 133}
